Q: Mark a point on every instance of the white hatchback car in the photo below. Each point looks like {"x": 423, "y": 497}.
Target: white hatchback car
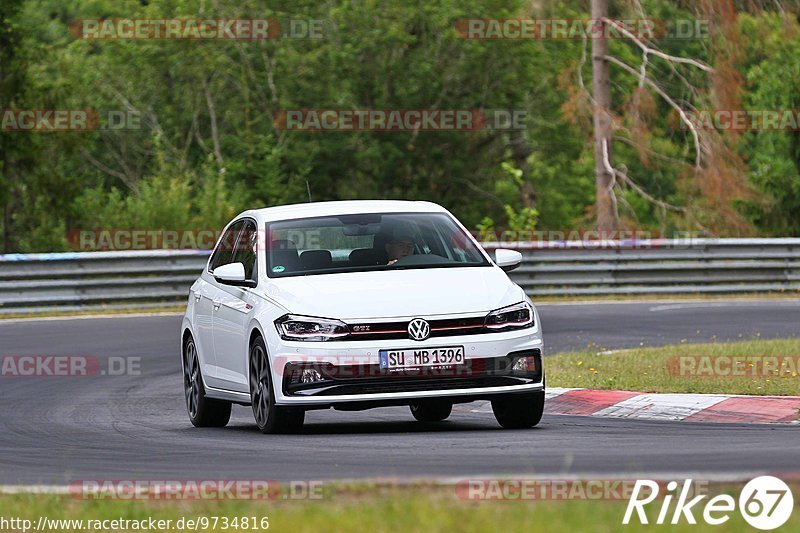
{"x": 353, "y": 305}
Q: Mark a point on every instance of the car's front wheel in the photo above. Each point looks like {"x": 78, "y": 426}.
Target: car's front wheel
{"x": 203, "y": 412}
{"x": 270, "y": 418}
{"x": 519, "y": 411}
{"x": 431, "y": 410}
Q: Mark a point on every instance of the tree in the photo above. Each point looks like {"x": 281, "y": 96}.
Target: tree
{"x": 605, "y": 203}
{"x": 12, "y": 79}
{"x": 716, "y": 178}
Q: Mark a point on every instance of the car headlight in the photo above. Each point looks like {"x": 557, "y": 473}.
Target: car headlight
{"x": 309, "y": 328}
{"x": 515, "y": 316}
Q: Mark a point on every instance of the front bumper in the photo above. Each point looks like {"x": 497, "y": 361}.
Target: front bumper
{"x": 351, "y": 373}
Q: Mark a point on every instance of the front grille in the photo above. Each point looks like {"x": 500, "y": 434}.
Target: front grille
{"x": 399, "y": 330}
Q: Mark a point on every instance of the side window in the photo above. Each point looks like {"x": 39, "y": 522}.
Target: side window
{"x": 223, "y": 253}
{"x": 245, "y": 252}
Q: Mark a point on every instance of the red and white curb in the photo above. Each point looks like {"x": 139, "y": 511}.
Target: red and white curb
{"x": 687, "y": 407}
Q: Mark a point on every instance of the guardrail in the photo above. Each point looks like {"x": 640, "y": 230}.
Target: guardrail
{"x": 70, "y": 281}
{"x": 700, "y": 266}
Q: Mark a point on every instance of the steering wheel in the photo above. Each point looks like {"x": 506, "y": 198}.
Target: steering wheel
{"x": 421, "y": 259}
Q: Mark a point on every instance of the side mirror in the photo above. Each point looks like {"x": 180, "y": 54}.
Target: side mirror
{"x": 508, "y": 260}
{"x": 232, "y": 274}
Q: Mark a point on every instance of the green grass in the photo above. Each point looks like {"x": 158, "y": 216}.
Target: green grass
{"x": 657, "y": 370}
{"x": 100, "y": 311}
{"x": 402, "y": 509}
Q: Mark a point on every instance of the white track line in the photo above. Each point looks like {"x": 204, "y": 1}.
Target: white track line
{"x": 742, "y": 476}
{"x": 661, "y": 406}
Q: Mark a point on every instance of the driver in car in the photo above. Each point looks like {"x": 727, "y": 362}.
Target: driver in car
{"x": 400, "y": 245}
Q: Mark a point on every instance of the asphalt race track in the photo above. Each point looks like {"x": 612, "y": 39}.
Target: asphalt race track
{"x": 626, "y": 325}
{"x": 59, "y": 430}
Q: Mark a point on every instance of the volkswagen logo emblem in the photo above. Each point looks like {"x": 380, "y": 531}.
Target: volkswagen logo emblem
{"x": 419, "y": 330}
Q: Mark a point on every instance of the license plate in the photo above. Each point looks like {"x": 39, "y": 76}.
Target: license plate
{"x": 413, "y": 358}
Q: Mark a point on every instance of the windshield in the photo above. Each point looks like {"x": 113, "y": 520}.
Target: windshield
{"x": 351, "y": 243}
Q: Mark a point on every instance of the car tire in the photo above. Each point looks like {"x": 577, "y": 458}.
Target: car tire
{"x": 269, "y": 417}
{"x": 431, "y": 411}
{"x": 519, "y": 411}
{"x": 203, "y": 412}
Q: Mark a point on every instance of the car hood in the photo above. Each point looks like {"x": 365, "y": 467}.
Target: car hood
{"x": 396, "y": 293}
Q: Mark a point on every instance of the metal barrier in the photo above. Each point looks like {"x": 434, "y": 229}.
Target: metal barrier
{"x": 139, "y": 279}
{"x": 707, "y": 266}
{"x": 69, "y": 281}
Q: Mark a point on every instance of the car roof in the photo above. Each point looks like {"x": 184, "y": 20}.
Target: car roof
{"x": 346, "y": 207}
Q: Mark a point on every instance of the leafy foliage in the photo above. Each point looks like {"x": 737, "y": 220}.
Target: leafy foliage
{"x": 206, "y": 146}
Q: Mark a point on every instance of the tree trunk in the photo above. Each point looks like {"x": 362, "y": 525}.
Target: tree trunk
{"x": 605, "y": 206}
{"x": 6, "y": 230}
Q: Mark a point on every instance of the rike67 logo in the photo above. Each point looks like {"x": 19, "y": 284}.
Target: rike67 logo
{"x": 765, "y": 503}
